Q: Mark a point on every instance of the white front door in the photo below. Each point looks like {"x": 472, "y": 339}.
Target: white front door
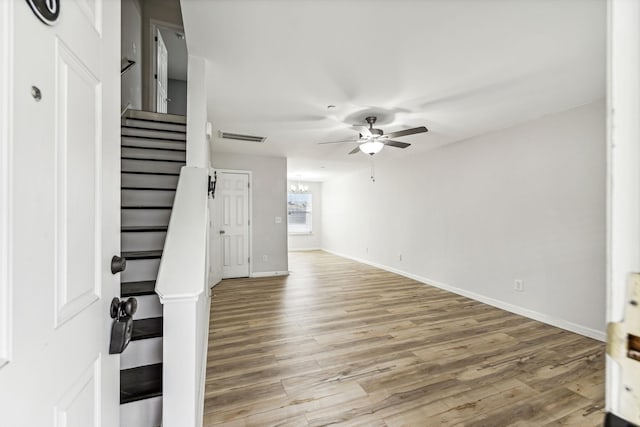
{"x": 162, "y": 77}
{"x": 60, "y": 136}
{"x": 233, "y": 194}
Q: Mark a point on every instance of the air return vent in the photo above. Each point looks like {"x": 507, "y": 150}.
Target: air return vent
{"x": 240, "y": 137}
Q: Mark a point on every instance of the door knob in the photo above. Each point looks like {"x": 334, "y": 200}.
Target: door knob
{"x": 118, "y": 264}
{"x": 222, "y": 231}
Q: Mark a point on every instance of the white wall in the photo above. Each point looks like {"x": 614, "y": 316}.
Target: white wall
{"x": 177, "y": 93}
{"x": 269, "y": 200}
{"x": 198, "y": 154}
{"x": 131, "y": 48}
{"x": 298, "y": 242}
{"x": 526, "y": 203}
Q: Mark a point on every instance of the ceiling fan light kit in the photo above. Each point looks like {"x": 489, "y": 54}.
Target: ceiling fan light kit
{"x": 371, "y": 147}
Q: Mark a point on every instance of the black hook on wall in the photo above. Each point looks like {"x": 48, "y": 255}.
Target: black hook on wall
{"x": 212, "y": 185}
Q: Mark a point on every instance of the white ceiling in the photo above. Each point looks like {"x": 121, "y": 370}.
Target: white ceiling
{"x": 459, "y": 67}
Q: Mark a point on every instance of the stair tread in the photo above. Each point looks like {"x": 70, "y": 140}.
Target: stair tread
{"x": 143, "y": 228}
{"x": 146, "y": 207}
{"x": 148, "y": 188}
{"x": 150, "y": 173}
{"x": 180, "y": 150}
{"x": 135, "y": 289}
{"x": 148, "y": 159}
{"x": 132, "y": 255}
{"x": 147, "y": 328}
{"x": 142, "y": 382}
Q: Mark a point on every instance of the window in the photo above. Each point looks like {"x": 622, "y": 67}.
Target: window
{"x": 299, "y": 213}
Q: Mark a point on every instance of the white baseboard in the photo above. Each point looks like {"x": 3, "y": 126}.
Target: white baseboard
{"x": 531, "y": 314}
{"x": 305, "y": 249}
{"x": 269, "y": 274}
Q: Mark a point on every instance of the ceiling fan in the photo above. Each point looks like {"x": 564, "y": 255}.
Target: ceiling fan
{"x": 372, "y": 140}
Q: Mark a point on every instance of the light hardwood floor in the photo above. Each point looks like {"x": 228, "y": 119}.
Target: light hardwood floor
{"x": 342, "y": 343}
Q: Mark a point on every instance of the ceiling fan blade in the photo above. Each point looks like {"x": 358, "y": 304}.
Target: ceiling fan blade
{"x": 406, "y": 132}
{"x": 339, "y": 142}
{"x": 398, "y": 144}
{"x": 355, "y": 150}
{"x": 364, "y": 131}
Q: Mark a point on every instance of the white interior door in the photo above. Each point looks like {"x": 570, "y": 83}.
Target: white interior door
{"x": 63, "y": 214}
{"x": 162, "y": 78}
{"x": 234, "y": 228}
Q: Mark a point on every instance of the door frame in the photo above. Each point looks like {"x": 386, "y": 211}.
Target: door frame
{"x": 155, "y": 25}
{"x": 623, "y": 178}
{"x": 250, "y": 207}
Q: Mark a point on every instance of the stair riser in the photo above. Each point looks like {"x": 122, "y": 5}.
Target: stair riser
{"x": 150, "y": 166}
{"x": 142, "y": 352}
{"x": 151, "y": 154}
{"x": 143, "y": 413}
{"x": 136, "y": 217}
{"x": 148, "y": 306}
{"x": 147, "y": 198}
{"x": 155, "y": 134}
{"x": 149, "y": 181}
{"x": 133, "y": 141}
{"x": 141, "y": 269}
{"x": 146, "y": 124}
{"x": 146, "y": 241}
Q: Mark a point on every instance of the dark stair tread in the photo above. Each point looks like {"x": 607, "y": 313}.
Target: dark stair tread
{"x": 148, "y": 159}
{"x": 146, "y": 207}
{"x": 143, "y": 228}
{"x": 133, "y": 255}
{"x": 143, "y": 382}
{"x": 149, "y": 173}
{"x": 148, "y": 188}
{"x": 147, "y": 328}
{"x": 136, "y": 289}
{"x": 180, "y": 150}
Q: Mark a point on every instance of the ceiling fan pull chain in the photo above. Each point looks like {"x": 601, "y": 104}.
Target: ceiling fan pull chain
{"x": 373, "y": 171}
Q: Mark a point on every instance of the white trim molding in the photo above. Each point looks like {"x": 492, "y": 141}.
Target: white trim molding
{"x": 531, "y": 314}
{"x": 6, "y": 172}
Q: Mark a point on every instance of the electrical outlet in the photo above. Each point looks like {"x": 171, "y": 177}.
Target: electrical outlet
{"x": 518, "y": 285}
{"x": 278, "y": 220}
{"x": 265, "y": 258}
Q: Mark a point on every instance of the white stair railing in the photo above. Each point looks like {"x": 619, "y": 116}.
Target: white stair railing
{"x": 182, "y": 287}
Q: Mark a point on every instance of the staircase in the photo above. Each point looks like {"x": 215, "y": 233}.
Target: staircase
{"x": 153, "y": 151}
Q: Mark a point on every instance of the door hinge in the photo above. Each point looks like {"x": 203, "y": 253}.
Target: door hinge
{"x": 248, "y": 185}
{"x": 155, "y": 76}
{"x": 155, "y": 38}
{"x": 249, "y": 222}
{"x": 249, "y": 260}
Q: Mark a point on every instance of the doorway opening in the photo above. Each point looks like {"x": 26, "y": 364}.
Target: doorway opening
{"x": 168, "y": 58}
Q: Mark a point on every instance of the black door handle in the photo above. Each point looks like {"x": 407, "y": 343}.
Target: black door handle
{"x": 118, "y": 264}
{"x": 122, "y": 329}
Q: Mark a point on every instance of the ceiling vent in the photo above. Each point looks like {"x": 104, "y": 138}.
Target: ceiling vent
{"x": 240, "y": 137}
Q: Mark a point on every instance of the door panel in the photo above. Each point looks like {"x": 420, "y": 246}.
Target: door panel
{"x": 234, "y": 207}
{"x": 161, "y": 73}
{"x": 63, "y": 202}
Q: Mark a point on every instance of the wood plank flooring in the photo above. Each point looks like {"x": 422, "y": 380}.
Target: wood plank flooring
{"x": 342, "y": 343}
